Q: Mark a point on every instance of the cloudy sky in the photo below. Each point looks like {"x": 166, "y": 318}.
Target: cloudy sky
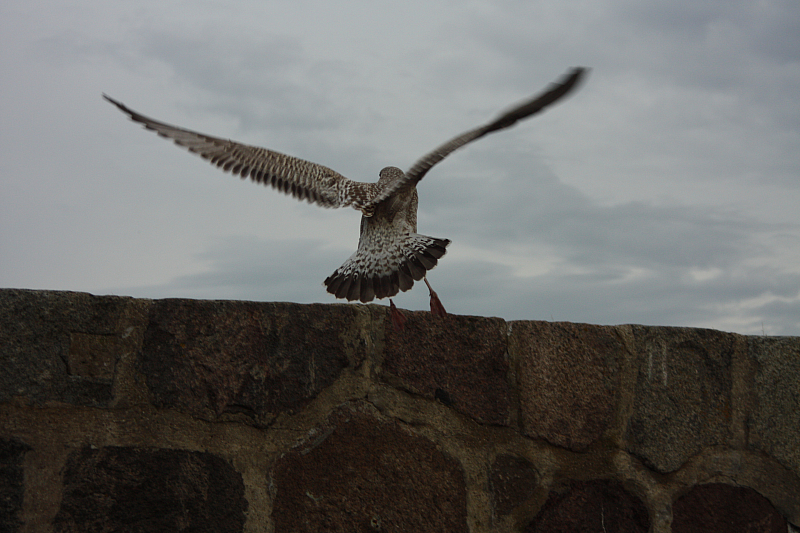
{"x": 666, "y": 191}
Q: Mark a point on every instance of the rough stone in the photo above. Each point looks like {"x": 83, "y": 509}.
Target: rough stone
{"x": 683, "y": 393}
{"x": 720, "y": 508}
{"x": 591, "y": 507}
{"x": 41, "y": 332}
{"x": 459, "y": 360}
{"x": 360, "y": 473}
{"x": 211, "y": 358}
{"x": 92, "y": 356}
{"x": 774, "y": 424}
{"x": 512, "y": 481}
{"x": 104, "y": 415}
{"x": 568, "y": 380}
{"x": 133, "y": 489}
{"x": 12, "y": 479}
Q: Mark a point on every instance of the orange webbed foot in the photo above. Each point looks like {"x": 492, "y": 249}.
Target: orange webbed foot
{"x": 437, "y": 309}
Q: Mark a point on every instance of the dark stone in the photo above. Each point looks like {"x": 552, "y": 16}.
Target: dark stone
{"x": 568, "y": 378}
{"x": 720, "y": 508}
{"x": 359, "y": 473}
{"x": 92, "y": 356}
{"x": 153, "y": 491}
{"x": 12, "y": 483}
{"x": 512, "y": 481}
{"x": 208, "y": 358}
{"x": 442, "y": 396}
{"x": 774, "y": 424}
{"x": 591, "y": 507}
{"x": 42, "y": 332}
{"x": 683, "y": 393}
{"x": 459, "y": 360}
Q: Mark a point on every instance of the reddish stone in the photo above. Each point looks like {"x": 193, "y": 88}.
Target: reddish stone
{"x": 720, "y": 508}
{"x": 12, "y": 483}
{"x": 93, "y": 356}
{"x": 207, "y": 358}
{"x": 133, "y": 489}
{"x": 512, "y": 481}
{"x": 459, "y": 360}
{"x": 591, "y": 507}
{"x": 568, "y": 380}
{"x": 359, "y": 473}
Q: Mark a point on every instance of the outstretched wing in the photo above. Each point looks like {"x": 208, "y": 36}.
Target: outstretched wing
{"x": 554, "y": 93}
{"x": 302, "y": 179}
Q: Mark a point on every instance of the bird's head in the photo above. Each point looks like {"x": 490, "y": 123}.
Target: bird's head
{"x": 389, "y": 174}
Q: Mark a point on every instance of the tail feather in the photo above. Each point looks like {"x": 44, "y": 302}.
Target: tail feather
{"x": 367, "y": 292}
{"x": 344, "y": 288}
{"x": 437, "y": 250}
{"x": 415, "y": 268}
{"x": 354, "y": 292}
{"x": 427, "y": 260}
{"x": 388, "y": 286}
{"x": 370, "y": 274}
{"x": 405, "y": 279}
{"x": 333, "y": 284}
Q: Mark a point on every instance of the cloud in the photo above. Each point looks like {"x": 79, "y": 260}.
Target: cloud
{"x": 251, "y": 268}
{"x": 627, "y": 264}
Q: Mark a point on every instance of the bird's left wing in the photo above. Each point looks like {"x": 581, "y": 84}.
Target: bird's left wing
{"x": 291, "y": 175}
{"x": 554, "y": 93}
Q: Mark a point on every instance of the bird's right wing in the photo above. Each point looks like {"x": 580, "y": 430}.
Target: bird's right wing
{"x": 554, "y": 93}
{"x": 302, "y": 179}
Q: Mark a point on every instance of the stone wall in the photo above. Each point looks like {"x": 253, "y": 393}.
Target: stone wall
{"x": 121, "y": 414}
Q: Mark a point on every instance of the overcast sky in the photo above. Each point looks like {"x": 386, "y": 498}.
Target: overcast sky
{"x": 665, "y": 191}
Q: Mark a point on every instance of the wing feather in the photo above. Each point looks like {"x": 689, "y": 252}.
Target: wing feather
{"x": 291, "y": 175}
{"x": 530, "y": 107}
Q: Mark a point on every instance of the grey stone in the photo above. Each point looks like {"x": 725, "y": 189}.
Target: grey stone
{"x": 683, "y": 393}
{"x": 48, "y": 340}
{"x": 774, "y": 423}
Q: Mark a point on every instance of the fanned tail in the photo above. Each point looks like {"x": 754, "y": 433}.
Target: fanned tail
{"x": 369, "y": 274}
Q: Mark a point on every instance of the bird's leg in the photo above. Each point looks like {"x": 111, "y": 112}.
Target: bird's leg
{"x": 398, "y": 319}
{"x": 437, "y": 309}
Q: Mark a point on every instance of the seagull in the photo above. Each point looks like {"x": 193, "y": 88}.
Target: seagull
{"x": 391, "y": 255}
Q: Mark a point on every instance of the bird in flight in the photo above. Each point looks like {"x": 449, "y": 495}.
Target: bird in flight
{"x": 391, "y": 255}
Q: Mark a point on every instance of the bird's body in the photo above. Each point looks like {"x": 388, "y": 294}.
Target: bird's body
{"x": 391, "y": 255}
